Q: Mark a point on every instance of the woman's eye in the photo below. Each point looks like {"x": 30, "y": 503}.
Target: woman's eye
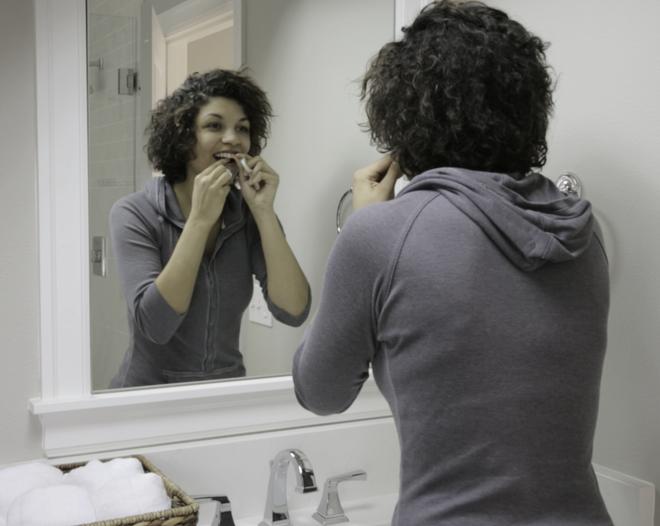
{"x": 244, "y": 129}
{"x": 213, "y": 125}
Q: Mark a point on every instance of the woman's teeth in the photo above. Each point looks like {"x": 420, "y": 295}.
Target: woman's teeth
{"x": 223, "y": 155}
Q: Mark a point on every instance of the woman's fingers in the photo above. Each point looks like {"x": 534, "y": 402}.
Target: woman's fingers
{"x": 259, "y": 175}
{"x": 254, "y": 164}
{"x": 381, "y": 165}
{"x": 217, "y": 172}
{"x": 222, "y": 169}
{"x": 210, "y": 191}
{"x": 392, "y": 174}
{"x": 247, "y": 162}
{"x": 212, "y": 169}
{"x": 258, "y": 185}
{"x": 255, "y": 179}
{"x": 374, "y": 172}
{"x": 224, "y": 178}
{"x": 375, "y": 182}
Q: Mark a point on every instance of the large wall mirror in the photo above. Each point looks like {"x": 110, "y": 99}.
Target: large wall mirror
{"x": 308, "y": 55}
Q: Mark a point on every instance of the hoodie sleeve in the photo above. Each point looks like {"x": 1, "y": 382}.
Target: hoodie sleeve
{"x": 332, "y": 362}
{"x": 139, "y": 263}
{"x": 259, "y": 270}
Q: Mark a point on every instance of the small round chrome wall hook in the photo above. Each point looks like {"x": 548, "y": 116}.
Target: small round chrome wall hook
{"x": 569, "y": 183}
{"x": 340, "y": 209}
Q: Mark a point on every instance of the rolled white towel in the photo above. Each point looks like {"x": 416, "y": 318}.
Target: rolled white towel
{"x": 125, "y": 467}
{"x": 61, "y": 505}
{"x": 133, "y": 496}
{"x": 95, "y": 474}
{"x": 21, "y": 478}
{"x": 91, "y": 476}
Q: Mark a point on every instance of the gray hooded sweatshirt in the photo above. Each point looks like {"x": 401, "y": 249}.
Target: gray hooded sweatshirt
{"x": 203, "y": 342}
{"x": 481, "y": 303}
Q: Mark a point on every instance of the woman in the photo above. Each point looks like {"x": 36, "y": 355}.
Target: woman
{"x": 479, "y": 295}
{"x": 188, "y": 245}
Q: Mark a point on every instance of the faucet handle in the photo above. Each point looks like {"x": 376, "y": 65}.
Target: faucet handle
{"x": 330, "y": 510}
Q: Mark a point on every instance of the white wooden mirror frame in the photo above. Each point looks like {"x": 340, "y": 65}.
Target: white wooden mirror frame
{"x": 75, "y": 420}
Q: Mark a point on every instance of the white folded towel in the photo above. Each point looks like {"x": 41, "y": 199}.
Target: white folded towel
{"x": 61, "y": 505}
{"x": 18, "y": 479}
{"x": 125, "y": 467}
{"x": 136, "y": 495}
{"x": 92, "y": 475}
{"x": 95, "y": 474}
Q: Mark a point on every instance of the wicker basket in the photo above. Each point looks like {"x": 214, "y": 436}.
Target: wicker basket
{"x": 183, "y": 512}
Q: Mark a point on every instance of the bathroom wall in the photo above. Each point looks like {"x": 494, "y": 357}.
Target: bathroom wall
{"x": 212, "y": 51}
{"x": 19, "y": 272}
{"x": 606, "y": 129}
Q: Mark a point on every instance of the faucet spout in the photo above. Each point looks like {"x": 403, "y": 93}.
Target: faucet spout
{"x": 277, "y": 509}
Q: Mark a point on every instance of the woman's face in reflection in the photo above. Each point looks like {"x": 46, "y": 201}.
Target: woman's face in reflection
{"x": 220, "y": 127}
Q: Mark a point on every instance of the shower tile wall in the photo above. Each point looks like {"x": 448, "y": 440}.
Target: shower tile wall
{"x": 112, "y": 38}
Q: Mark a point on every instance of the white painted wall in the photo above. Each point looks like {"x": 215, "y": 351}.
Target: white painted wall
{"x": 212, "y": 51}
{"x": 19, "y": 273}
{"x": 606, "y": 128}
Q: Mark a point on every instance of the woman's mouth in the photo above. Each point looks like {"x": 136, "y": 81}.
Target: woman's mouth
{"x": 233, "y": 156}
{"x": 224, "y": 155}
{"x": 232, "y": 167}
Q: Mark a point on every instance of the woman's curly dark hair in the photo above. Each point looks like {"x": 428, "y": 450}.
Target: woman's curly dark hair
{"x": 171, "y": 129}
{"x": 465, "y": 87}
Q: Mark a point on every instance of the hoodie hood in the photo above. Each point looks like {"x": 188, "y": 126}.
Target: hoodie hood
{"x": 529, "y": 220}
{"x": 162, "y": 197}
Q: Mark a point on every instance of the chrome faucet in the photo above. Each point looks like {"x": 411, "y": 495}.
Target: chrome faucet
{"x": 277, "y": 509}
{"x": 330, "y": 510}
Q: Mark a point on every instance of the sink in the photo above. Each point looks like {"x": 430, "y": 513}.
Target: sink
{"x": 372, "y": 511}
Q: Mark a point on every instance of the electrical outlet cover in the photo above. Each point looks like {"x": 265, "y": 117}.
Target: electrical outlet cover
{"x": 258, "y": 310}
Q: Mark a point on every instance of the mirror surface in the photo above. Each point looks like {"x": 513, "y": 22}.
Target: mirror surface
{"x": 307, "y": 55}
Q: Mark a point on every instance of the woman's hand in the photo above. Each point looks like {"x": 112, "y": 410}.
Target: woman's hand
{"x": 258, "y": 185}
{"x": 210, "y": 190}
{"x": 375, "y": 183}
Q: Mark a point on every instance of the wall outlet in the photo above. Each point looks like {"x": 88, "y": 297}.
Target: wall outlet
{"x": 258, "y": 311}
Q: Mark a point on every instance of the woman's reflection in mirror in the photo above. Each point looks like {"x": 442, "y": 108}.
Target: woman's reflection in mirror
{"x": 188, "y": 245}
{"x": 479, "y": 294}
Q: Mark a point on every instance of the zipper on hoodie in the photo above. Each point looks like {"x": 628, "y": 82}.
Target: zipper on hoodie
{"x": 207, "y": 363}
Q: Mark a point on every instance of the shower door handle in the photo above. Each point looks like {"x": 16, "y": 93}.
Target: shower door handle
{"x": 99, "y": 256}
